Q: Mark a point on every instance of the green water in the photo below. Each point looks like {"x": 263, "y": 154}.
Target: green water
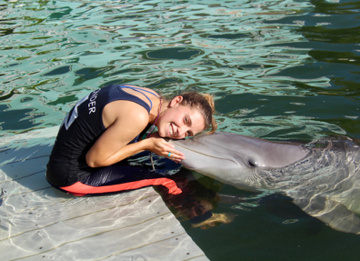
{"x": 280, "y": 70}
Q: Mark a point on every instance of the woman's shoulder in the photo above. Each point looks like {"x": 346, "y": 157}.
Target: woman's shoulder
{"x": 140, "y": 89}
{"x": 125, "y": 111}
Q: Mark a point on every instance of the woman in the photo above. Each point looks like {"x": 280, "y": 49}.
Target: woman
{"x": 114, "y": 123}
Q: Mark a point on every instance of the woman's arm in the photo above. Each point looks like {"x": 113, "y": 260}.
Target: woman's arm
{"x": 112, "y": 146}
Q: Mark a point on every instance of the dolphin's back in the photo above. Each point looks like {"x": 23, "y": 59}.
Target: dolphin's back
{"x": 262, "y": 153}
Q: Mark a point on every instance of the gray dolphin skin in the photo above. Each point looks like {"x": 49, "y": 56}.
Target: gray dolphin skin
{"x": 322, "y": 177}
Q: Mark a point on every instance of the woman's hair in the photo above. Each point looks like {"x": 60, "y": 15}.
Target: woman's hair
{"x": 205, "y": 103}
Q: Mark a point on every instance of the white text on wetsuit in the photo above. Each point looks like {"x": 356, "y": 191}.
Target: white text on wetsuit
{"x": 92, "y": 102}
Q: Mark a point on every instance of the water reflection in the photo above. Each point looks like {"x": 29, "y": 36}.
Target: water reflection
{"x": 162, "y": 45}
{"x": 196, "y": 203}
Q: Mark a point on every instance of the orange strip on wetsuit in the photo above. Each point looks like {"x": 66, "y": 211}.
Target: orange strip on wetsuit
{"x": 80, "y": 189}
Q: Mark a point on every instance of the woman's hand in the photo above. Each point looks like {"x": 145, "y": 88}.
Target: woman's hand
{"x": 163, "y": 148}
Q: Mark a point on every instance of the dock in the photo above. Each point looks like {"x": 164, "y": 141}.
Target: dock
{"x": 39, "y": 222}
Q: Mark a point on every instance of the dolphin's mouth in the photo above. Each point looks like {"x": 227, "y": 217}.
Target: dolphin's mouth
{"x": 199, "y": 152}
{"x": 204, "y": 154}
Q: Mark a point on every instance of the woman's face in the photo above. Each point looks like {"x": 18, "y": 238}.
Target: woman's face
{"x": 179, "y": 121}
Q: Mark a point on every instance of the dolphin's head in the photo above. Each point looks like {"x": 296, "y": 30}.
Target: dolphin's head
{"x": 234, "y": 158}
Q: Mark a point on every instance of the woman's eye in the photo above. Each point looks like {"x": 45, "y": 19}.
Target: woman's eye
{"x": 187, "y": 121}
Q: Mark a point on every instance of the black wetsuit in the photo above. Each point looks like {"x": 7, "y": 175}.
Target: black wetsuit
{"x": 78, "y": 132}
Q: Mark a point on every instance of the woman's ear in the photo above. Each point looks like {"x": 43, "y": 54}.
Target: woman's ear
{"x": 176, "y": 101}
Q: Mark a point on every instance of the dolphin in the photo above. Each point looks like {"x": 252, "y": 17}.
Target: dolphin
{"x": 322, "y": 177}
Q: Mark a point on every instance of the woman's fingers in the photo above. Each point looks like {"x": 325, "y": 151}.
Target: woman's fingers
{"x": 171, "y": 153}
{"x": 175, "y": 155}
{"x": 166, "y": 149}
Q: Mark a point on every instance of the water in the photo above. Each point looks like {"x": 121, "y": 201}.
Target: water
{"x": 280, "y": 70}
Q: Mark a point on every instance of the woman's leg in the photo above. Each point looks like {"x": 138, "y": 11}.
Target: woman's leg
{"x": 120, "y": 177}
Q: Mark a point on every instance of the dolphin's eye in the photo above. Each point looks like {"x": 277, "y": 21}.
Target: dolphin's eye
{"x": 251, "y": 163}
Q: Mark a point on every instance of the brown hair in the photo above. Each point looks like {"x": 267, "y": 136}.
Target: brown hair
{"x": 205, "y": 103}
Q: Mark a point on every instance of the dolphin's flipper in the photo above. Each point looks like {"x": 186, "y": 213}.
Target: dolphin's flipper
{"x": 331, "y": 212}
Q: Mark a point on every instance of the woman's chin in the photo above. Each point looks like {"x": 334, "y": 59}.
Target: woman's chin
{"x": 163, "y": 134}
